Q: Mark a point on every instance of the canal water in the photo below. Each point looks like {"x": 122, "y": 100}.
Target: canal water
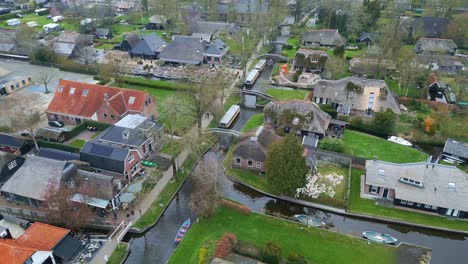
{"x": 156, "y": 245}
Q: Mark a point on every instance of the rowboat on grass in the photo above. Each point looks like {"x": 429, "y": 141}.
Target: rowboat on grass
{"x": 307, "y": 220}
{"x": 148, "y": 163}
{"x": 182, "y": 231}
{"x": 379, "y": 237}
{"x": 400, "y": 141}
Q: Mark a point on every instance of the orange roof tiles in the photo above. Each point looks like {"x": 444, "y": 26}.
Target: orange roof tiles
{"x": 42, "y": 236}
{"x": 71, "y": 99}
{"x": 10, "y": 253}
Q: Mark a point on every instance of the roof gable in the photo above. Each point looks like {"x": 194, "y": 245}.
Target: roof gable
{"x": 71, "y": 98}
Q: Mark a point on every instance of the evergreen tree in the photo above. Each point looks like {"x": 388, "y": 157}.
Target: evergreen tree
{"x": 285, "y": 165}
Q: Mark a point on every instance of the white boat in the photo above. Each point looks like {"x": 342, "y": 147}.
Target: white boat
{"x": 400, "y": 141}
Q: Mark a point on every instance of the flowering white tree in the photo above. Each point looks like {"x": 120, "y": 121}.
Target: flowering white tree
{"x": 318, "y": 184}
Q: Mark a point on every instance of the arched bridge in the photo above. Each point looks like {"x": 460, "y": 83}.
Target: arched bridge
{"x": 273, "y": 56}
{"x": 223, "y": 131}
{"x": 256, "y": 93}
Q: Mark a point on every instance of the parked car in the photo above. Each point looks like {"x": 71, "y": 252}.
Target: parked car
{"x": 56, "y": 124}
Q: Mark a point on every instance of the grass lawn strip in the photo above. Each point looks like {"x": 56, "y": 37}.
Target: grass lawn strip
{"x": 317, "y": 245}
{"x": 176, "y": 146}
{"x": 359, "y": 205}
{"x": 255, "y": 121}
{"x": 119, "y": 254}
{"x": 284, "y": 95}
{"x": 78, "y": 143}
{"x": 369, "y": 147}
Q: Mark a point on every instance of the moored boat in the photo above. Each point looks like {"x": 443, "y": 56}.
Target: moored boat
{"x": 307, "y": 220}
{"x": 379, "y": 237}
{"x": 182, "y": 231}
{"x": 400, "y": 141}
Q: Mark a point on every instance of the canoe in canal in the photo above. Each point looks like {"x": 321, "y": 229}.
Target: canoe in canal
{"x": 307, "y": 220}
{"x": 379, "y": 237}
{"x": 182, "y": 231}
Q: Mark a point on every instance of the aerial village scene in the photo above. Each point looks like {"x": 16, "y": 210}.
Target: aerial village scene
{"x": 233, "y": 131}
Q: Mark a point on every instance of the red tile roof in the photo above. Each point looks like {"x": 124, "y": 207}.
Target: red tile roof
{"x": 76, "y": 104}
{"x": 10, "y": 253}
{"x": 42, "y": 236}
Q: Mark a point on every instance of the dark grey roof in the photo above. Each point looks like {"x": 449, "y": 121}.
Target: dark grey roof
{"x": 67, "y": 248}
{"x": 431, "y": 27}
{"x": 328, "y": 37}
{"x": 149, "y": 45}
{"x": 132, "y": 39}
{"x": 371, "y": 36}
{"x": 134, "y": 137}
{"x": 310, "y": 142}
{"x": 57, "y": 154}
{"x": 11, "y": 141}
{"x": 212, "y": 28}
{"x": 102, "y": 31}
{"x": 435, "y": 45}
{"x": 217, "y": 48}
{"x": 63, "y": 48}
{"x": 100, "y": 185}
{"x": 255, "y": 146}
{"x": 455, "y": 147}
{"x": 104, "y": 157}
{"x": 314, "y": 119}
{"x": 183, "y": 49}
{"x": 5, "y": 170}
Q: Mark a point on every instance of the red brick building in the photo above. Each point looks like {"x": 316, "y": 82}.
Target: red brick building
{"x": 74, "y": 102}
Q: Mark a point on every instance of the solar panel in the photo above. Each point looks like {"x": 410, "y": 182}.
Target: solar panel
{"x": 101, "y": 150}
{"x": 371, "y": 101}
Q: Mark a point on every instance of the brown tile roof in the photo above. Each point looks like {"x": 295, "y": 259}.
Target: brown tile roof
{"x": 11, "y": 253}
{"x": 42, "y": 236}
{"x": 81, "y": 105}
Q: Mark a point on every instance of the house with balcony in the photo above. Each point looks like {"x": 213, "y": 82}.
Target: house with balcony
{"x": 428, "y": 187}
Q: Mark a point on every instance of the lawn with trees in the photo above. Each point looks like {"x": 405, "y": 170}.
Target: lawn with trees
{"x": 370, "y": 147}
{"x": 317, "y": 245}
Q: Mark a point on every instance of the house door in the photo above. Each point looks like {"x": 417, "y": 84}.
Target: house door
{"x": 452, "y": 212}
{"x": 77, "y": 120}
{"x": 385, "y": 193}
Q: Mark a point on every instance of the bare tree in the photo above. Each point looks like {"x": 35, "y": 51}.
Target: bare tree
{"x": 334, "y": 67}
{"x": 24, "y": 116}
{"x": 205, "y": 195}
{"x": 115, "y": 68}
{"x": 45, "y": 77}
{"x": 60, "y": 209}
{"x": 168, "y": 10}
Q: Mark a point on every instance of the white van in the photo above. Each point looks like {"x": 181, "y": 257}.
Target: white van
{"x": 57, "y": 18}
{"x": 51, "y": 27}
{"x": 32, "y": 24}
{"x": 13, "y": 22}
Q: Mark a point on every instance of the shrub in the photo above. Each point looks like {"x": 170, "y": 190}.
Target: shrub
{"x": 46, "y": 144}
{"x": 271, "y": 253}
{"x": 225, "y": 245}
{"x": 332, "y": 144}
{"x": 236, "y": 206}
{"x": 329, "y": 110}
{"x": 295, "y": 258}
{"x": 202, "y": 255}
{"x": 155, "y": 84}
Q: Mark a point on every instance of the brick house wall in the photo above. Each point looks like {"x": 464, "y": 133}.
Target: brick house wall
{"x": 149, "y": 109}
{"x": 244, "y": 164}
{"x": 106, "y": 114}
{"x": 68, "y": 120}
{"x": 132, "y": 164}
{"x": 391, "y": 192}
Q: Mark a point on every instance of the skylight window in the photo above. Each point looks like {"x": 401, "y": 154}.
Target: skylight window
{"x": 131, "y": 100}
{"x": 72, "y": 90}
{"x": 412, "y": 182}
{"x": 451, "y": 186}
{"x": 381, "y": 172}
{"x": 85, "y": 92}
{"x": 60, "y": 89}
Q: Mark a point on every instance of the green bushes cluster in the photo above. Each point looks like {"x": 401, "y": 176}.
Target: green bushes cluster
{"x": 295, "y": 258}
{"x": 47, "y": 144}
{"x": 271, "y": 253}
{"x": 13, "y": 15}
{"x": 332, "y": 144}
{"x": 155, "y": 84}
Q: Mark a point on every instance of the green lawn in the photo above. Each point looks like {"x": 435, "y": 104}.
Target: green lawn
{"x": 231, "y": 100}
{"x": 255, "y": 121}
{"x": 357, "y": 204}
{"x": 367, "y": 146}
{"x": 339, "y": 200}
{"x": 317, "y": 245}
{"x": 176, "y": 146}
{"x": 284, "y": 95}
{"x": 40, "y": 20}
{"x": 78, "y": 143}
{"x": 402, "y": 91}
{"x": 119, "y": 254}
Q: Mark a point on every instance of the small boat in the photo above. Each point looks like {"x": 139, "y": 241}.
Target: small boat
{"x": 307, "y": 220}
{"x": 182, "y": 231}
{"x": 379, "y": 237}
{"x": 400, "y": 141}
{"x": 148, "y": 163}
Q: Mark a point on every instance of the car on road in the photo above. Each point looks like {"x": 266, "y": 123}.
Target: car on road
{"x": 56, "y": 124}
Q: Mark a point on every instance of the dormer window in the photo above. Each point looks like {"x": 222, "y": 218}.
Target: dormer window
{"x": 381, "y": 172}
{"x": 60, "y": 89}
{"x": 72, "y": 90}
{"x": 131, "y": 100}
{"x": 125, "y": 134}
{"x": 451, "y": 186}
{"x": 85, "y": 92}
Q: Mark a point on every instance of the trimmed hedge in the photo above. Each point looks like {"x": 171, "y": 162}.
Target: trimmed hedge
{"x": 166, "y": 85}
{"x": 236, "y": 206}
{"x": 47, "y": 144}
{"x": 77, "y": 130}
{"x": 13, "y": 15}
